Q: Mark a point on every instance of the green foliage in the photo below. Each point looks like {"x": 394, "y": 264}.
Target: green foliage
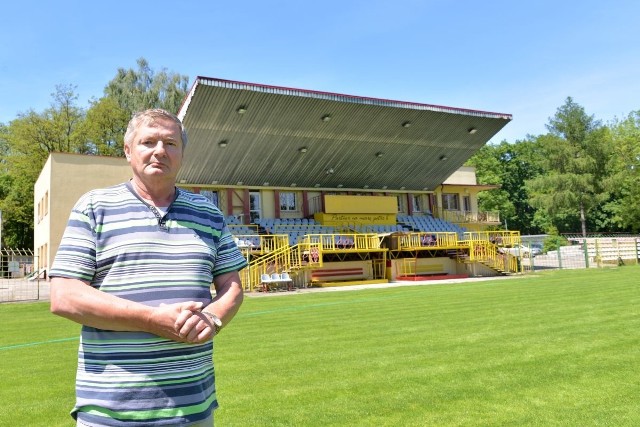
{"x": 624, "y": 182}
{"x": 25, "y": 143}
{"x": 508, "y": 165}
{"x": 550, "y": 350}
{"x": 28, "y": 140}
{"x": 136, "y": 90}
{"x": 575, "y": 155}
{"x": 554, "y": 240}
{"x": 580, "y": 175}
{"x": 104, "y": 128}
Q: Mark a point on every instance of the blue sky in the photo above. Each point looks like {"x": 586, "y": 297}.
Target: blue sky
{"x": 522, "y": 58}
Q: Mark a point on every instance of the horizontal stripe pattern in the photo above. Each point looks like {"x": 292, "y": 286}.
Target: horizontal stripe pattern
{"x": 115, "y": 241}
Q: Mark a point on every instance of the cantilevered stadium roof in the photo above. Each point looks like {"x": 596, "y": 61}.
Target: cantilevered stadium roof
{"x": 257, "y": 135}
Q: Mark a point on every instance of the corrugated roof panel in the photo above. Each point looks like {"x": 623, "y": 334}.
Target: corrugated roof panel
{"x": 263, "y": 143}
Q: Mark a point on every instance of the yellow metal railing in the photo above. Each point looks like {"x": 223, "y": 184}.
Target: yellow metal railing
{"x": 344, "y": 241}
{"x": 291, "y": 259}
{"x": 458, "y": 217}
{"x": 306, "y": 255}
{"x": 273, "y": 253}
{"x": 274, "y": 262}
{"x": 410, "y": 241}
{"x": 261, "y": 244}
{"x": 488, "y": 253}
{"x": 500, "y": 238}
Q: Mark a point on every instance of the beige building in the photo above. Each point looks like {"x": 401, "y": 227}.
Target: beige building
{"x": 63, "y": 179}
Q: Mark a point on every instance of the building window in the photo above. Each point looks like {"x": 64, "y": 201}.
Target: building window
{"x": 466, "y": 201}
{"x": 288, "y": 202}
{"x": 401, "y": 199}
{"x": 417, "y": 206}
{"x": 42, "y": 261}
{"x": 450, "y": 201}
{"x": 255, "y": 207}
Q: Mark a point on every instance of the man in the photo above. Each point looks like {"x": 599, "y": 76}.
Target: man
{"x": 135, "y": 267}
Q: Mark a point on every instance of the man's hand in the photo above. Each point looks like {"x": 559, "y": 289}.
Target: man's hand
{"x": 78, "y": 301}
{"x": 183, "y": 322}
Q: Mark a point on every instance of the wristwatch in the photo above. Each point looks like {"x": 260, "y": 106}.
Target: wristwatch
{"x": 215, "y": 321}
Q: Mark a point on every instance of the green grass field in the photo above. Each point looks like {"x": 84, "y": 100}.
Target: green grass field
{"x": 557, "y": 349}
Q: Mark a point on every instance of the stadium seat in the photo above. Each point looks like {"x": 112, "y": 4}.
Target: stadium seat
{"x": 265, "y": 280}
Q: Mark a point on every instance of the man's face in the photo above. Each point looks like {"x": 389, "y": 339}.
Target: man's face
{"x": 155, "y": 151}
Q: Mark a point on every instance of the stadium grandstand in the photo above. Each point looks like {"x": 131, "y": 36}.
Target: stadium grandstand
{"x": 320, "y": 189}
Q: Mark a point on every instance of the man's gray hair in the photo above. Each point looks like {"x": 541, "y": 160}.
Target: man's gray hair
{"x": 148, "y": 116}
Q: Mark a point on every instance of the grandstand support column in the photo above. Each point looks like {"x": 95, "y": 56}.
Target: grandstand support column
{"x": 276, "y": 202}
{"x": 229, "y": 201}
{"x": 246, "y": 208}
{"x": 386, "y": 266}
{"x": 249, "y": 267}
{"x": 305, "y": 204}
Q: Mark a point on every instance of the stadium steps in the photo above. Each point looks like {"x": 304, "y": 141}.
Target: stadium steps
{"x": 462, "y": 256}
{"x": 458, "y": 255}
{"x": 494, "y": 267}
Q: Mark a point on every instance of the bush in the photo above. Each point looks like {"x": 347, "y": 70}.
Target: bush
{"x": 553, "y": 242}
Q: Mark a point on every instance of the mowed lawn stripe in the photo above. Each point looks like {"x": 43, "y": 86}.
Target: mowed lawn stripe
{"x": 515, "y": 352}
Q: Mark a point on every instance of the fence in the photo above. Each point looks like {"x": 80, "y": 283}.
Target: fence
{"x": 21, "y": 279}
{"x": 587, "y": 253}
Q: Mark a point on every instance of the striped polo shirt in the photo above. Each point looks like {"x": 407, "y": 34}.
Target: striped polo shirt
{"x": 125, "y": 247}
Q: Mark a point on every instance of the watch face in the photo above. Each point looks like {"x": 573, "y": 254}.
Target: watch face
{"x": 213, "y": 318}
{"x": 217, "y": 321}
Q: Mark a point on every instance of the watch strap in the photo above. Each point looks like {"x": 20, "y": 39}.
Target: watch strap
{"x": 215, "y": 322}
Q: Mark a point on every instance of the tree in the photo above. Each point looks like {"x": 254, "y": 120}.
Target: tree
{"x": 624, "y": 184}
{"x": 104, "y": 127}
{"x": 574, "y": 158}
{"x": 138, "y": 90}
{"x": 508, "y": 165}
{"x": 54, "y": 130}
{"x": 26, "y": 144}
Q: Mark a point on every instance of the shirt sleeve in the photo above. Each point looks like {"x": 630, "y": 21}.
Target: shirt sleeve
{"x": 229, "y": 256}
